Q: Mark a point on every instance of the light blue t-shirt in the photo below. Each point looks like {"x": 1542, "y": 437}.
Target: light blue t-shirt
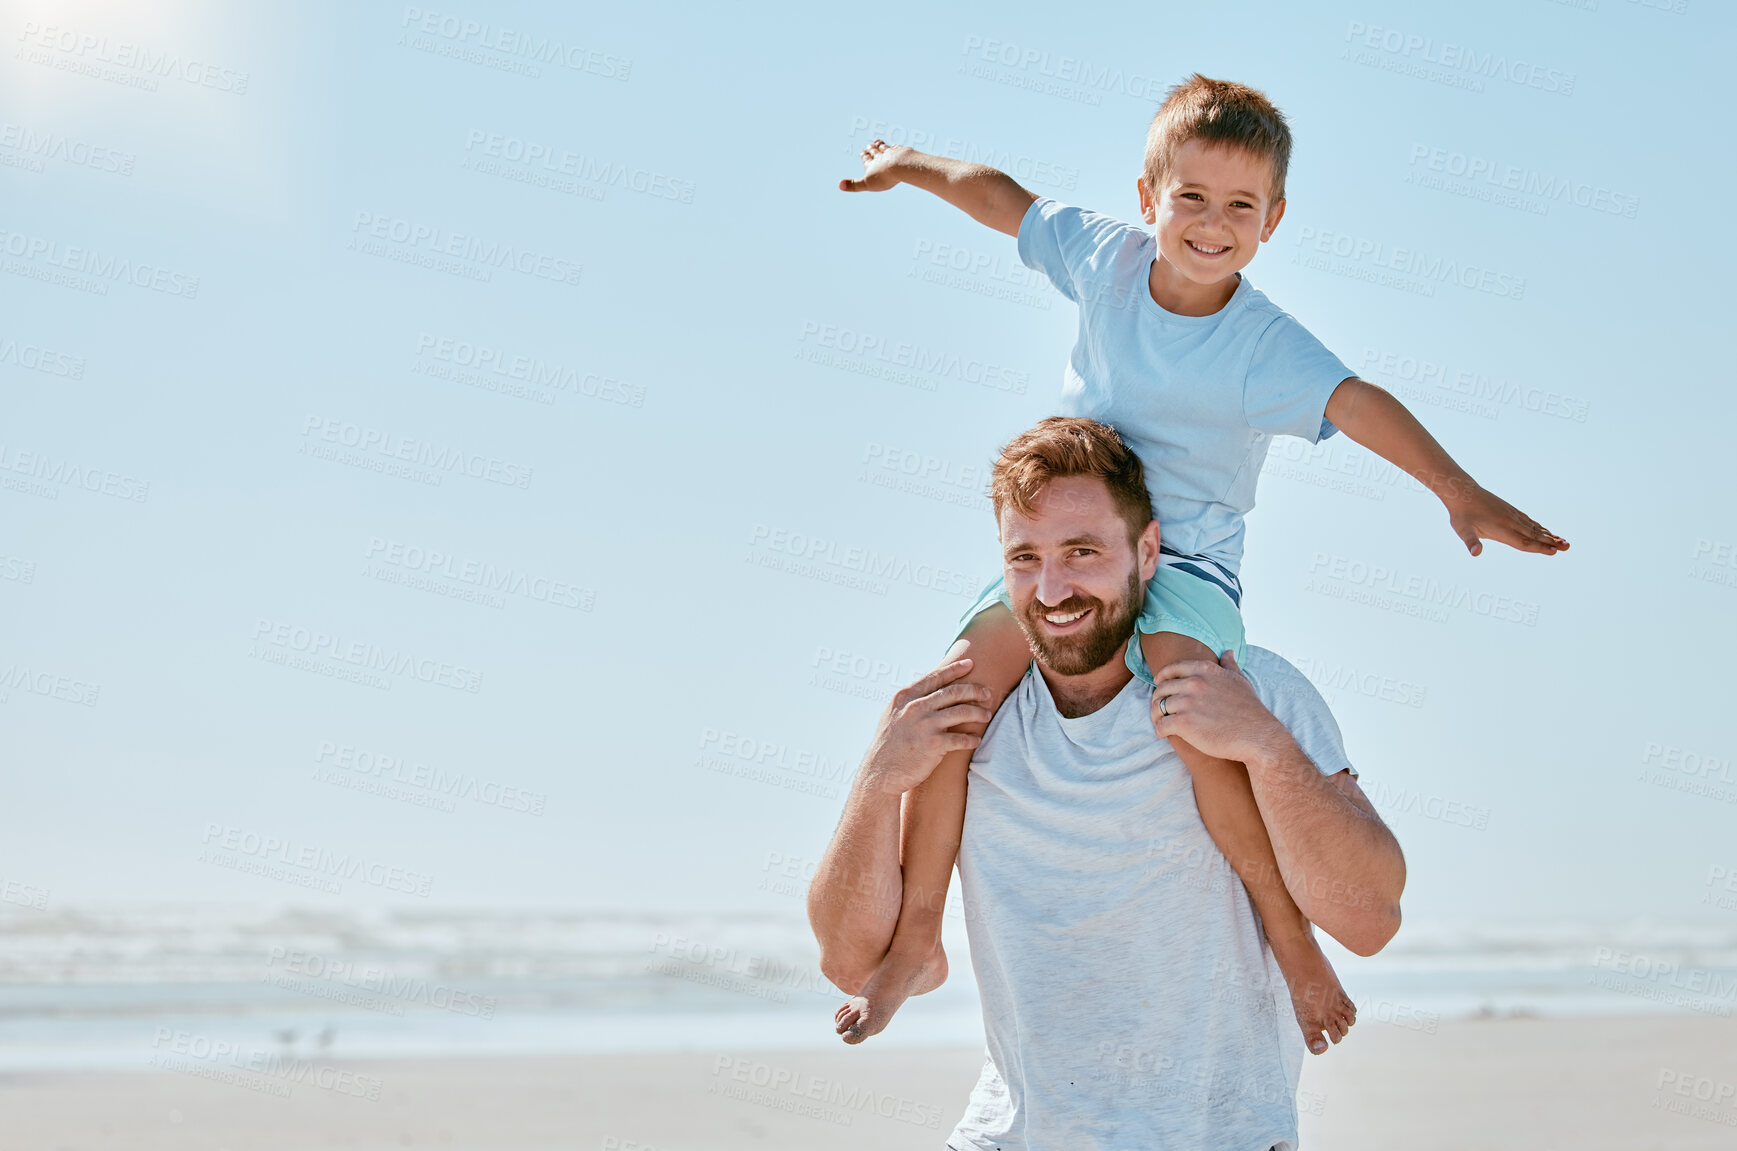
{"x": 1198, "y": 398}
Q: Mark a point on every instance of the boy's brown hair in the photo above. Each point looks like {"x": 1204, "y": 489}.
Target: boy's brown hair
{"x": 1220, "y": 112}
{"x": 1064, "y": 446}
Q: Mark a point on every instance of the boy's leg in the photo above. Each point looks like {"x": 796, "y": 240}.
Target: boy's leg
{"x": 1227, "y": 807}
{"x": 933, "y": 817}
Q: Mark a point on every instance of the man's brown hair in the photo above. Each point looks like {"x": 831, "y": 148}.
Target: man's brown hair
{"x": 1219, "y": 112}
{"x": 1064, "y": 446}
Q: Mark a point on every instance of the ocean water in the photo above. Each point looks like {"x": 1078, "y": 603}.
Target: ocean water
{"x": 132, "y": 987}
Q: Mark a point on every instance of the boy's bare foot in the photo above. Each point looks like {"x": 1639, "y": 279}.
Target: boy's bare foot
{"x": 1322, "y": 1007}
{"x": 897, "y": 979}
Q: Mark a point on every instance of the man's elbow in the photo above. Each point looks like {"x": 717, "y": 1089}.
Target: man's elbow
{"x": 1371, "y": 932}
{"x": 848, "y": 975}
{"x": 843, "y": 961}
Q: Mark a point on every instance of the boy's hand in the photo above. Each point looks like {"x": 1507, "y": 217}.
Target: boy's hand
{"x": 880, "y": 168}
{"x": 1480, "y": 514}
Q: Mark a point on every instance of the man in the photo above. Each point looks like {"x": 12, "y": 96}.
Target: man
{"x": 1129, "y": 999}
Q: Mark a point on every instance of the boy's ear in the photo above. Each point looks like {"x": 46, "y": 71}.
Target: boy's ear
{"x": 1274, "y": 215}
{"x": 1148, "y": 206}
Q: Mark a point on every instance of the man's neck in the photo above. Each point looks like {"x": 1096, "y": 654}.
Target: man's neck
{"x": 1077, "y": 695}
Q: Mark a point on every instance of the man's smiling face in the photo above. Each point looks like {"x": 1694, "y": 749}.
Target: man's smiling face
{"x": 1076, "y": 580}
{"x": 1213, "y": 211}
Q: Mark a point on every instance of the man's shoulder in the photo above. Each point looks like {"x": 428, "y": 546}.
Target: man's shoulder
{"x": 1266, "y": 664}
{"x": 1024, "y": 700}
{"x": 1297, "y": 703}
{"x": 1277, "y": 678}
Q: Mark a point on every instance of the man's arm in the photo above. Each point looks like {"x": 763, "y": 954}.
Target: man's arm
{"x": 858, "y": 889}
{"x": 1338, "y": 859}
{"x": 1374, "y": 418}
{"x": 985, "y": 194}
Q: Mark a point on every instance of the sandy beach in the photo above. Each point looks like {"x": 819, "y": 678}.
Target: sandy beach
{"x": 1621, "y": 1083}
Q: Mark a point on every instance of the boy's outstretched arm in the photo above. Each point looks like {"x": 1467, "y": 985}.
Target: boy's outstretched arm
{"x": 1371, "y": 416}
{"x": 986, "y": 194}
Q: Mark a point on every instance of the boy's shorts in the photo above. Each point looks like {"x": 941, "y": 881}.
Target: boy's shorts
{"x": 1187, "y": 595}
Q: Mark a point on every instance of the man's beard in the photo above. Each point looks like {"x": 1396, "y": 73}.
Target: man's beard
{"x": 1112, "y": 625}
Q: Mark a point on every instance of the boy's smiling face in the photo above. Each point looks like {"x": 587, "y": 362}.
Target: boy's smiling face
{"x": 1214, "y": 210}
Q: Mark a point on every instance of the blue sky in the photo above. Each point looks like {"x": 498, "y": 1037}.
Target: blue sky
{"x": 529, "y": 357}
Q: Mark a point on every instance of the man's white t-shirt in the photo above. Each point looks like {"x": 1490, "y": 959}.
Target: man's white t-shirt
{"x": 1130, "y": 1000}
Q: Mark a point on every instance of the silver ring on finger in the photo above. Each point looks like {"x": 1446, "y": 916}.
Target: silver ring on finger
{"x": 1164, "y": 705}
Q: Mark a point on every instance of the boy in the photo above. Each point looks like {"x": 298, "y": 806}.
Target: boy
{"x": 1197, "y": 370}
